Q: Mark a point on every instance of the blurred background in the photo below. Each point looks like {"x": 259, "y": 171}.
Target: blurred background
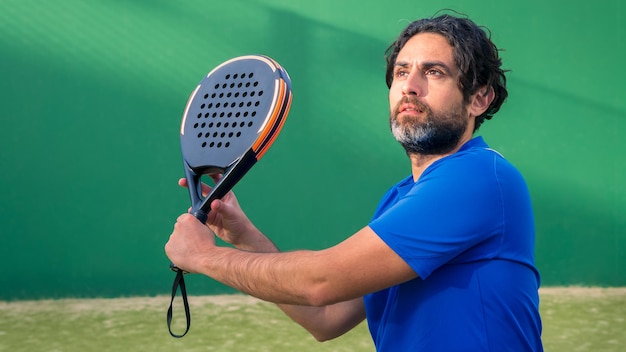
{"x": 92, "y": 92}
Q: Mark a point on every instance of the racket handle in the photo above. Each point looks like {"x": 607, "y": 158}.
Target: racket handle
{"x": 200, "y": 215}
{"x": 175, "y": 269}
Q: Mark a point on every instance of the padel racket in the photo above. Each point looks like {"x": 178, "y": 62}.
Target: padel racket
{"x": 231, "y": 119}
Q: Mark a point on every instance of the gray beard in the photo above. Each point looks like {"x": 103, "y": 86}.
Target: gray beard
{"x": 439, "y": 134}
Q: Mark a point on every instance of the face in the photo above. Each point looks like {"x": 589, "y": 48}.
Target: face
{"x": 427, "y": 112}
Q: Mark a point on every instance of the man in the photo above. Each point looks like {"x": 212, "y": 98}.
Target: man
{"x": 446, "y": 263}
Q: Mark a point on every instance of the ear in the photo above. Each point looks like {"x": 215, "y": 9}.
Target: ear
{"x": 480, "y": 101}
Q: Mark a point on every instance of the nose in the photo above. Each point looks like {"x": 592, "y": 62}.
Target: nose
{"x": 414, "y": 84}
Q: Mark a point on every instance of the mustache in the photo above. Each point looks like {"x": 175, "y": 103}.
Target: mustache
{"x": 412, "y": 100}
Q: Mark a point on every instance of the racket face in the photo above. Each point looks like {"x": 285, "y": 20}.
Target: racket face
{"x": 237, "y": 107}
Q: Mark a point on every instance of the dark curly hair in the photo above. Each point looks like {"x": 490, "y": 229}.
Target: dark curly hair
{"x": 474, "y": 53}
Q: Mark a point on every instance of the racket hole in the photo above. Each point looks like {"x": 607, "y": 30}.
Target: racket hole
{"x": 243, "y": 75}
{"x": 214, "y": 95}
{"x": 210, "y": 105}
{"x": 203, "y": 144}
{"x": 200, "y": 115}
{"x": 219, "y": 144}
{"x": 256, "y": 83}
{"x": 245, "y": 94}
{"x": 214, "y": 115}
{"x": 247, "y": 84}
{"x": 227, "y": 76}
{"x": 217, "y": 86}
{"x": 224, "y": 85}
{"x": 206, "y": 95}
{"x": 252, "y": 93}
{"x": 249, "y": 104}
{"x": 222, "y": 114}
{"x": 239, "y": 85}
{"x": 229, "y": 95}
{"x": 237, "y": 114}
{"x": 241, "y": 125}
{"x": 238, "y": 134}
{"x": 253, "y": 114}
{"x": 219, "y": 124}
{"x": 217, "y": 106}
{"x": 200, "y": 135}
{"x": 251, "y": 74}
{"x": 250, "y": 124}
{"x": 237, "y": 95}
{"x": 245, "y": 114}
{"x": 211, "y": 145}
{"x": 241, "y": 104}
{"x": 207, "y": 135}
{"x": 232, "y": 85}
{"x": 206, "y": 115}
{"x": 202, "y": 106}
{"x": 233, "y": 105}
{"x": 214, "y": 134}
{"x": 211, "y": 125}
{"x": 227, "y": 144}
{"x": 195, "y": 125}
{"x": 230, "y": 114}
{"x": 203, "y": 125}
{"x": 223, "y": 134}
{"x": 221, "y": 95}
{"x": 260, "y": 92}
{"x": 235, "y": 76}
{"x": 257, "y": 103}
{"x": 230, "y": 134}
{"x": 226, "y": 125}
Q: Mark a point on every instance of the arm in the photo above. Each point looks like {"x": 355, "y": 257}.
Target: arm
{"x": 230, "y": 223}
{"x": 325, "y": 322}
{"x": 321, "y": 290}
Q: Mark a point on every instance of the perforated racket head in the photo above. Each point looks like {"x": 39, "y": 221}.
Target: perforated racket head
{"x": 229, "y": 111}
{"x": 235, "y": 112}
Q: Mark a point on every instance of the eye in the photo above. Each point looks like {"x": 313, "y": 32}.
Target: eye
{"x": 433, "y": 72}
{"x": 398, "y": 73}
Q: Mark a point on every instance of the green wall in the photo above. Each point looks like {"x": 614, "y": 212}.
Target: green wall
{"x": 92, "y": 92}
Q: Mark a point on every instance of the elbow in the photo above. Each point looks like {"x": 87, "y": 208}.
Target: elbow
{"x": 320, "y": 336}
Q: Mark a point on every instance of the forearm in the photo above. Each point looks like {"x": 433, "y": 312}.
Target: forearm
{"x": 323, "y": 323}
{"x": 253, "y": 240}
{"x": 327, "y": 322}
{"x": 273, "y": 277}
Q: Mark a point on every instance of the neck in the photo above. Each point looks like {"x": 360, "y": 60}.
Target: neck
{"x": 420, "y": 162}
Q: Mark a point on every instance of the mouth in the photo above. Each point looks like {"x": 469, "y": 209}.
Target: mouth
{"x": 410, "y": 108}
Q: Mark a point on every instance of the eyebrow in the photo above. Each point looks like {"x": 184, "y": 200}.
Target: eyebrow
{"x": 426, "y": 65}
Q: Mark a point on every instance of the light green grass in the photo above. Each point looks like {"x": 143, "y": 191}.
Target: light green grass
{"x": 574, "y": 319}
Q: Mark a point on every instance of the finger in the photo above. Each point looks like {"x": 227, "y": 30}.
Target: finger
{"x": 205, "y": 189}
{"x": 216, "y": 177}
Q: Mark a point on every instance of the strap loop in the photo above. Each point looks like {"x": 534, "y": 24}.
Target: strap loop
{"x": 179, "y": 281}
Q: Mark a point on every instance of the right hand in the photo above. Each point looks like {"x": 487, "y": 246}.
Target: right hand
{"x": 226, "y": 218}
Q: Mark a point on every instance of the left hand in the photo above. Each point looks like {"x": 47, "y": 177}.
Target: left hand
{"x": 190, "y": 241}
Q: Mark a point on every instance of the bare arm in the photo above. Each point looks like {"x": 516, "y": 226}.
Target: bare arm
{"x": 320, "y": 290}
{"x": 325, "y": 322}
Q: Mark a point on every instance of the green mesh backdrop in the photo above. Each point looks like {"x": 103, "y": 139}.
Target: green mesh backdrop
{"x": 92, "y": 92}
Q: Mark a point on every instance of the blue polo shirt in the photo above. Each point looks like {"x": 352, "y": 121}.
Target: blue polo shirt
{"x": 466, "y": 227}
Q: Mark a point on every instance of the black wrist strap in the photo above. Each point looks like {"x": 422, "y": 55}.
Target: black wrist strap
{"x": 179, "y": 281}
